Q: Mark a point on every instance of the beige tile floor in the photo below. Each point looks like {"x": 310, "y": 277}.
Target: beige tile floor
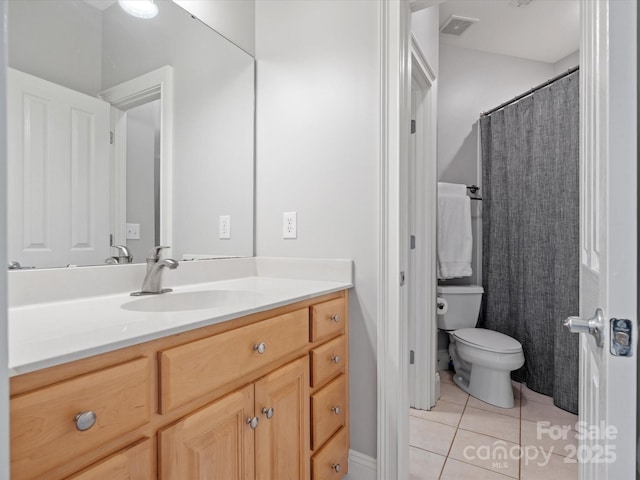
{"x": 463, "y": 438}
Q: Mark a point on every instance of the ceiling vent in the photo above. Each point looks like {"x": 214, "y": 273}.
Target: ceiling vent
{"x": 457, "y": 25}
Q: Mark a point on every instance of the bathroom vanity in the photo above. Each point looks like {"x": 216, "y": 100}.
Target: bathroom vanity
{"x": 254, "y": 389}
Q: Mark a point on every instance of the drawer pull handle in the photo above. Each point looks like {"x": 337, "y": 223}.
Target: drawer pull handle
{"x": 253, "y": 422}
{"x": 335, "y": 317}
{"x": 268, "y": 412}
{"x": 335, "y": 359}
{"x": 260, "y": 348}
{"x": 336, "y": 409}
{"x": 85, "y": 420}
{"x": 336, "y": 467}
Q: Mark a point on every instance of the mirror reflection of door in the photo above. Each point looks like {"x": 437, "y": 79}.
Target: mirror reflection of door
{"x": 58, "y": 174}
{"x": 143, "y": 178}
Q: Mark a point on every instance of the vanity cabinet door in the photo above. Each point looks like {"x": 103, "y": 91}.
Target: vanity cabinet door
{"x": 282, "y": 441}
{"x": 133, "y": 463}
{"x": 215, "y": 442}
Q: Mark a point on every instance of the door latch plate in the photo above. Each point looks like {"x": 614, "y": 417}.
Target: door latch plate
{"x": 621, "y": 337}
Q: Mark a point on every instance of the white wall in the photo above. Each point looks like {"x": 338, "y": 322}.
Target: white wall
{"x": 318, "y": 155}
{"x": 233, "y": 19}
{"x": 472, "y": 82}
{"x": 71, "y": 54}
{"x": 564, "y": 64}
{"x": 425, "y": 27}
{"x": 142, "y": 125}
{"x": 212, "y": 126}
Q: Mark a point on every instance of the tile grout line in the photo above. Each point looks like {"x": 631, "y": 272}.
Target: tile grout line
{"x": 455, "y": 434}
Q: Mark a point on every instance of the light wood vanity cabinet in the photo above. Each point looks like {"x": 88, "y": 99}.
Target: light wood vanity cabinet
{"x": 260, "y": 397}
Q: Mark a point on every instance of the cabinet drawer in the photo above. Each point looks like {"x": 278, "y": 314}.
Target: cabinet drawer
{"x": 330, "y": 463}
{"x": 327, "y": 318}
{"x": 192, "y": 370}
{"x": 133, "y": 463}
{"x": 43, "y": 430}
{"x": 327, "y": 360}
{"x": 328, "y": 406}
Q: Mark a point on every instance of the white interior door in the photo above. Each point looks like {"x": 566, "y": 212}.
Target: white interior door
{"x": 607, "y": 408}
{"x": 420, "y": 213}
{"x": 58, "y": 174}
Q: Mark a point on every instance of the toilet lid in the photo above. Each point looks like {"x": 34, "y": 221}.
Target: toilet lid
{"x": 488, "y": 340}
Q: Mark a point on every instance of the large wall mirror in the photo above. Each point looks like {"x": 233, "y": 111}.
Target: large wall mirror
{"x": 126, "y": 131}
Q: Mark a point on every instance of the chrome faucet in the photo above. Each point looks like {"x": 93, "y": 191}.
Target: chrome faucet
{"x": 152, "y": 284}
{"x": 124, "y": 256}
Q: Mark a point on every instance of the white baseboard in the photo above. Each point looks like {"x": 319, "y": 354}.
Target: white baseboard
{"x": 361, "y": 467}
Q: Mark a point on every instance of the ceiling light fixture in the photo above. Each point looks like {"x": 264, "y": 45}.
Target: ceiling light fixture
{"x": 140, "y": 8}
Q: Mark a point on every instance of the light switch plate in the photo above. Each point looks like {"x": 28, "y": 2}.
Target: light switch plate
{"x": 289, "y": 225}
{"x": 225, "y": 227}
{"x": 133, "y": 231}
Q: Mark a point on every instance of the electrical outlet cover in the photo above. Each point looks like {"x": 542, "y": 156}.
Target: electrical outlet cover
{"x": 225, "y": 227}
{"x": 133, "y": 231}
{"x": 289, "y": 225}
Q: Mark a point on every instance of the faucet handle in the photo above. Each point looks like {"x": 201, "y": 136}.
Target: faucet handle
{"x": 156, "y": 252}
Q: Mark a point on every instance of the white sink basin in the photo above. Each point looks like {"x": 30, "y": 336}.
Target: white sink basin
{"x": 200, "y": 300}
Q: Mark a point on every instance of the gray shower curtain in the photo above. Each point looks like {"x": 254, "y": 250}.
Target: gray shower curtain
{"x": 531, "y": 233}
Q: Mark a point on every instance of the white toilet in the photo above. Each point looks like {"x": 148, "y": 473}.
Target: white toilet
{"x": 483, "y": 359}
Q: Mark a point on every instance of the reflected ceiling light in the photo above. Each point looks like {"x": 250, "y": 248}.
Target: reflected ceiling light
{"x": 140, "y": 8}
{"x": 520, "y": 3}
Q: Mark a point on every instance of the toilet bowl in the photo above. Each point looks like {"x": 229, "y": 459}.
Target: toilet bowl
{"x": 483, "y": 359}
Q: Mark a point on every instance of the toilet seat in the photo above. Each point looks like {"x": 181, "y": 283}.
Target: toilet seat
{"x": 487, "y": 340}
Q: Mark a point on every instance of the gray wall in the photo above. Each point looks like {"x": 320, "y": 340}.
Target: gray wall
{"x": 71, "y": 54}
{"x": 318, "y": 155}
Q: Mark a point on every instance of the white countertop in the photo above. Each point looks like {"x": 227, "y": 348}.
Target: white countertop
{"x": 42, "y": 335}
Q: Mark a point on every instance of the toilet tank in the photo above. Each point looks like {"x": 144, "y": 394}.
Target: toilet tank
{"x": 463, "y": 306}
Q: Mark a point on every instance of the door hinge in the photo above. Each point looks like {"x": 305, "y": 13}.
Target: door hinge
{"x": 401, "y": 279}
{"x": 111, "y": 239}
{"x": 111, "y": 138}
{"x": 412, "y": 357}
{"x": 413, "y": 242}
{"x": 413, "y": 126}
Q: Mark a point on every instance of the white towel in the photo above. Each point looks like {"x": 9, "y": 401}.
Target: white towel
{"x": 455, "y": 241}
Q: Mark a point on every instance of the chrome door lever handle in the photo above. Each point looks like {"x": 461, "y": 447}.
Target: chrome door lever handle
{"x": 593, "y": 326}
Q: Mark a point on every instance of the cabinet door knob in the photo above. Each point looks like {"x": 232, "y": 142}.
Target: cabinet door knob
{"x": 268, "y": 412}
{"x": 85, "y": 420}
{"x": 336, "y": 409}
{"x": 335, "y": 317}
{"x": 336, "y": 467}
{"x": 252, "y": 422}
{"x": 335, "y": 359}
{"x": 260, "y": 347}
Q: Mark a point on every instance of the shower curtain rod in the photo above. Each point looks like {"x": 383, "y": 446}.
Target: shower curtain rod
{"x": 534, "y": 89}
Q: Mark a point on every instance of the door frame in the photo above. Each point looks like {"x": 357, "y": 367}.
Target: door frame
{"x": 422, "y": 281}
{"x": 155, "y": 85}
{"x": 392, "y": 331}
{"x": 4, "y": 321}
